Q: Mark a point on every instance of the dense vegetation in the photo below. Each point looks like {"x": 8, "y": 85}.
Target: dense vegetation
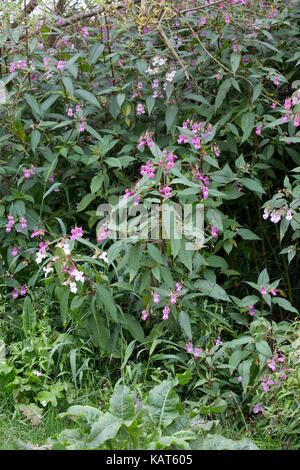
{"x": 150, "y": 336}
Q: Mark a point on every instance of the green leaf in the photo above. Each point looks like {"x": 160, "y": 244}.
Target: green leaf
{"x": 184, "y": 322}
{"x": 222, "y": 92}
{"x": 235, "y": 59}
{"x": 155, "y": 253}
{"x": 105, "y": 298}
{"x": 31, "y": 101}
{"x": 162, "y": 404}
{"x": 89, "y": 97}
{"x": 244, "y": 371}
{"x": 253, "y": 185}
{"x": 121, "y": 403}
{"x": 247, "y": 124}
{"x": 257, "y": 91}
{"x": 29, "y": 317}
{"x": 95, "y": 52}
{"x": 35, "y": 139}
{"x": 130, "y": 323}
{"x": 171, "y": 113}
{"x": 247, "y": 234}
{"x": 88, "y": 198}
{"x": 285, "y": 304}
{"x": 263, "y": 348}
{"x": 212, "y": 290}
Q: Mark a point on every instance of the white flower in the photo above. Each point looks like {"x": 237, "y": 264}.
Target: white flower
{"x": 275, "y": 217}
{"x": 289, "y": 215}
{"x": 37, "y": 373}
{"x": 266, "y": 214}
{"x": 104, "y": 256}
{"x": 170, "y": 76}
{"x": 44, "y": 403}
{"x": 73, "y": 287}
{"x": 40, "y": 257}
{"x": 47, "y": 270}
{"x": 66, "y": 249}
{"x": 79, "y": 275}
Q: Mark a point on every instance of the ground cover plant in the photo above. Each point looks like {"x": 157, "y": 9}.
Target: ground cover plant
{"x": 122, "y": 125}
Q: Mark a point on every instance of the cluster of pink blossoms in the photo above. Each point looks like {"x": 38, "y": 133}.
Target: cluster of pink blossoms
{"x": 76, "y": 233}
{"x": 148, "y": 169}
{"x": 214, "y": 231}
{"x": 10, "y": 223}
{"x": 264, "y": 291}
{"x": 190, "y": 349}
{"x": 275, "y": 365}
{"x": 37, "y": 233}
{"x": 145, "y": 139}
{"x": 15, "y": 293}
{"x": 105, "y": 233}
{"x": 21, "y": 64}
{"x": 166, "y": 191}
{"x": 173, "y": 300}
{"x": 204, "y": 187}
{"x": 275, "y": 215}
{"x": 60, "y": 65}
{"x": 251, "y": 310}
{"x": 29, "y": 172}
{"x": 129, "y": 193}
{"x": 206, "y": 130}
{"x": 71, "y": 112}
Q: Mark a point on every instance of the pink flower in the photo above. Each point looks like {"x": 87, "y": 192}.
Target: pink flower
{"x": 227, "y": 19}
{"x": 196, "y": 352}
{"x": 76, "y": 233}
{"x": 274, "y": 292}
{"x": 239, "y": 379}
{"x": 15, "y": 251}
{"x": 258, "y": 130}
{"x": 276, "y": 81}
{"x": 145, "y": 315}
{"x": 15, "y": 294}
{"x": 251, "y": 310}
{"x": 70, "y": 112}
{"x": 60, "y": 65}
{"x": 23, "y": 290}
{"x": 155, "y": 297}
{"x": 263, "y": 290}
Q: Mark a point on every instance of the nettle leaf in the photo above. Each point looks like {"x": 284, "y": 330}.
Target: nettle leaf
{"x": 29, "y": 316}
{"x": 257, "y": 91}
{"x": 95, "y": 52}
{"x": 171, "y": 113}
{"x": 244, "y": 371}
{"x": 155, "y": 253}
{"x": 106, "y": 299}
{"x": 162, "y": 403}
{"x": 285, "y": 304}
{"x": 235, "y": 60}
{"x": 253, "y": 185}
{"x": 263, "y": 348}
{"x": 121, "y": 403}
{"x": 89, "y": 97}
{"x": 263, "y": 278}
{"x": 212, "y": 290}
{"x": 247, "y": 234}
{"x": 32, "y": 103}
{"x": 185, "y": 323}
{"x": 247, "y": 125}
{"x": 222, "y": 92}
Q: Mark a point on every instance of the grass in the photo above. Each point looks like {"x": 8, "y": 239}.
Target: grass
{"x": 14, "y": 427}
